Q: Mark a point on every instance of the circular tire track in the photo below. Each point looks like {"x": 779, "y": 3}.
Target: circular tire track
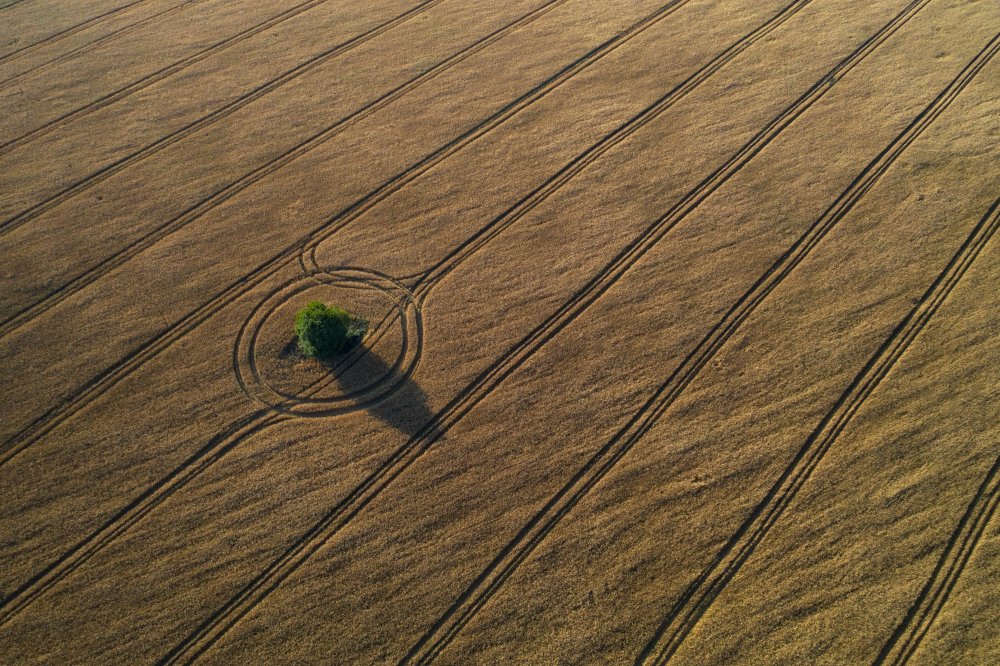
{"x": 267, "y": 366}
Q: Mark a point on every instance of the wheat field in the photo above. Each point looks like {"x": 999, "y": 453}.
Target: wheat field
{"x": 683, "y": 344}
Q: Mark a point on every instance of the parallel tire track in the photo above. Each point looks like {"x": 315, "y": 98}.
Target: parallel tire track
{"x": 6, "y": 83}
{"x": 424, "y": 282}
{"x": 219, "y": 196}
{"x": 531, "y": 535}
{"x": 454, "y": 258}
{"x": 427, "y": 280}
{"x": 302, "y": 550}
{"x": 137, "y": 509}
{"x": 156, "y": 76}
{"x": 906, "y": 638}
{"x": 228, "y": 109}
{"x": 72, "y": 30}
{"x": 11, "y": 4}
{"x": 708, "y": 585}
{"x": 170, "y": 334}
{"x": 120, "y": 522}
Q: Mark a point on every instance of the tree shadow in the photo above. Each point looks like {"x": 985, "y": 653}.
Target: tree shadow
{"x": 291, "y": 348}
{"x": 405, "y": 407}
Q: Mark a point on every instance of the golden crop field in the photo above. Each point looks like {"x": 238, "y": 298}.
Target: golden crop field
{"x": 683, "y": 332}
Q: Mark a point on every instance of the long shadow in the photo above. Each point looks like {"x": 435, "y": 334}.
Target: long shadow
{"x": 359, "y": 368}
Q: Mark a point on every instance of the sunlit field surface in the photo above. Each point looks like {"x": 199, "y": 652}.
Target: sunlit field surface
{"x": 683, "y": 342}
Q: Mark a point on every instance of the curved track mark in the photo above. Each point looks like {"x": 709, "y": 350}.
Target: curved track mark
{"x": 170, "y": 334}
{"x": 655, "y": 108}
{"x": 60, "y": 294}
{"x": 251, "y": 595}
{"x": 215, "y": 449}
{"x": 497, "y": 376}
{"x": 454, "y": 258}
{"x": 403, "y": 308}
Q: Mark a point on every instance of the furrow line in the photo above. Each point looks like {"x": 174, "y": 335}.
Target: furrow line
{"x": 907, "y": 637}
{"x": 603, "y": 461}
{"x": 167, "y": 336}
{"x": 457, "y": 256}
{"x": 196, "y": 211}
{"x": 156, "y": 76}
{"x": 136, "y": 510}
{"x": 6, "y": 83}
{"x": 428, "y": 279}
{"x": 122, "y": 521}
{"x": 11, "y": 4}
{"x": 708, "y": 585}
{"x": 258, "y": 589}
{"x": 68, "y": 31}
{"x": 174, "y": 137}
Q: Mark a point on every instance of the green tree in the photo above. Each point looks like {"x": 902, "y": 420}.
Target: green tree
{"x": 324, "y": 331}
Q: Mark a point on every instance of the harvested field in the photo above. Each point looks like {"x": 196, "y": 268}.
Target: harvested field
{"x": 683, "y": 331}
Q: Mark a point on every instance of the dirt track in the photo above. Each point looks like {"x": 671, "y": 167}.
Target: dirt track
{"x": 684, "y": 344}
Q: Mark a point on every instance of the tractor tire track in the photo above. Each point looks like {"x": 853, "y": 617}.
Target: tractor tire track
{"x": 120, "y": 522}
{"x": 72, "y": 30}
{"x": 257, "y": 590}
{"x": 400, "y": 368}
{"x": 11, "y": 3}
{"x": 906, "y": 638}
{"x": 457, "y": 256}
{"x": 6, "y": 83}
{"x": 709, "y": 584}
{"x": 170, "y": 334}
{"x": 527, "y": 539}
{"x": 424, "y": 282}
{"x": 228, "y": 109}
{"x": 780, "y": 18}
{"x": 196, "y": 211}
{"x": 136, "y": 510}
{"x": 156, "y": 76}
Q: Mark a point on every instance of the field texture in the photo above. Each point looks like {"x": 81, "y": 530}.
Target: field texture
{"x": 684, "y": 337}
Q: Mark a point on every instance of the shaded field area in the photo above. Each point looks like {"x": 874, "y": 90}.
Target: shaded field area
{"x": 682, "y": 346}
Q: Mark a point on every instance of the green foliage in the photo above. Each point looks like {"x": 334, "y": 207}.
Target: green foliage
{"x": 324, "y": 331}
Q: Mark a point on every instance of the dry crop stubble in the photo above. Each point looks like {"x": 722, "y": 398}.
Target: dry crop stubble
{"x": 10, "y": 3}
{"x": 873, "y": 545}
{"x": 286, "y": 194}
{"x": 471, "y": 228}
{"x": 682, "y": 89}
{"x": 271, "y": 160}
{"x": 598, "y": 466}
{"x": 77, "y": 97}
{"x": 701, "y": 594}
{"x": 34, "y": 25}
{"x": 27, "y": 69}
{"x": 173, "y": 108}
{"x": 321, "y": 532}
{"x": 964, "y": 580}
{"x": 747, "y": 539}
